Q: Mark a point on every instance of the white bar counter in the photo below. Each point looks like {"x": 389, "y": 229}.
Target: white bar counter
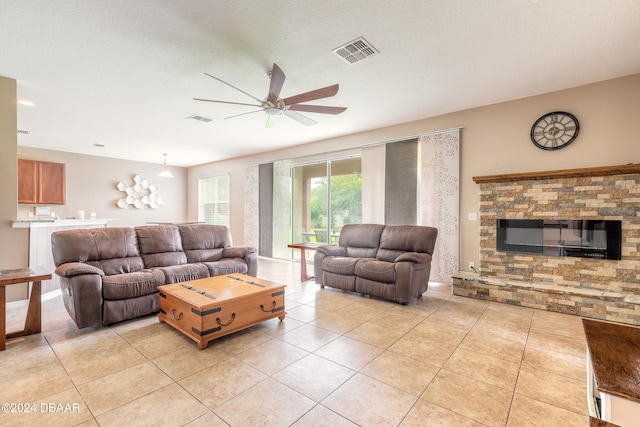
{"x": 62, "y": 223}
{"x": 40, "y": 231}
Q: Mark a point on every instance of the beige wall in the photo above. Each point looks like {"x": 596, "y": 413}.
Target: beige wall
{"x": 13, "y": 242}
{"x": 495, "y": 139}
{"x": 91, "y": 186}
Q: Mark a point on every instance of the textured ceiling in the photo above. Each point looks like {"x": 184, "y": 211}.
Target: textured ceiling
{"x": 123, "y": 73}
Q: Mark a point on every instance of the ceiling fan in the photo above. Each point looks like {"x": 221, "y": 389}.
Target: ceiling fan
{"x": 275, "y": 106}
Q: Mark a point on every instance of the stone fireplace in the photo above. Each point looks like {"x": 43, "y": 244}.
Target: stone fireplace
{"x": 597, "y": 288}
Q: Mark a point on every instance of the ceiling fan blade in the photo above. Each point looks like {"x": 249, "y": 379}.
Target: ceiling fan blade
{"x": 325, "y": 92}
{"x": 317, "y": 109}
{"x": 271, "y": 121}
{"x": 239, "y": 90}
{"x": 226, "y": 102}
{"x": 300, "y": 118}
{"x": 242, "y": 114}
{"x": 277, "y": 80}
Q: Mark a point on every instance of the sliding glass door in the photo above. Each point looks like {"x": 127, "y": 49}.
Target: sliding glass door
{"x": 325, "y": 196}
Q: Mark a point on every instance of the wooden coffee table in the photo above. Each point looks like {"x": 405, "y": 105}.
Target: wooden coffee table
{"x": 209, "y": 308}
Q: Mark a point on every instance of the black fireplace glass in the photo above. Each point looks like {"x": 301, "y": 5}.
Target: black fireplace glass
{"x": 600, "y": 239}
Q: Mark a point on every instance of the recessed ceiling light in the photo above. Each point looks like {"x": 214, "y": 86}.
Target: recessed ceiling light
{"x": 25, "y": 102}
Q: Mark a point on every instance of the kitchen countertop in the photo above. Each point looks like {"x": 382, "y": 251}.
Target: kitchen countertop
{"x": 46, "y": 222}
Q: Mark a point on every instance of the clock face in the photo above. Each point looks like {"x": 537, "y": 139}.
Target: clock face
{"x": 555, "y": 130}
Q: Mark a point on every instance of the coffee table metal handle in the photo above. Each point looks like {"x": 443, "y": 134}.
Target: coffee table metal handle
{"x": 233, "y": 317}
{"x": 269, "y": 310}
{"x": 173, "y": 312}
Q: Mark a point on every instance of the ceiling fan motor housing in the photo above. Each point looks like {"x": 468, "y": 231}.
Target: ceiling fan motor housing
{"x": 273, "y": 109}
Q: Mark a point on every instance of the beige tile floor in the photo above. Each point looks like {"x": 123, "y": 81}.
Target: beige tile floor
{"x": 338, "y": 359}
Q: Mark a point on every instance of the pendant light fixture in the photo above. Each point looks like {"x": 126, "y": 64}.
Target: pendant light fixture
{"x": 165, "y": 170}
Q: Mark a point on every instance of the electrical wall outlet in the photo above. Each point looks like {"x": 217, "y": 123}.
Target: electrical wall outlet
{"x": 472, "y": 265}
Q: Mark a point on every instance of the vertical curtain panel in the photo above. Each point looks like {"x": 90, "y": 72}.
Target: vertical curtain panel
{"x": 265, "y": 209}
{"x": 401, "y": 172}
{"x": 281, "y": 208}
{"x": 373, "y": 161}
{"x": 251, "y": 206}
{"x": 439, "y": 198}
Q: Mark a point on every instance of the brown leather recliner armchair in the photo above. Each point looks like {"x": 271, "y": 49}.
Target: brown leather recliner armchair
{"x": 392, "y": 262}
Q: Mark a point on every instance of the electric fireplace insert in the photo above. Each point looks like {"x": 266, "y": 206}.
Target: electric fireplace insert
{"x": 600, "y": 239}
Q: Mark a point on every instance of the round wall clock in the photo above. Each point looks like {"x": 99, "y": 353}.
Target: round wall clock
{"x": 555, "y": 130}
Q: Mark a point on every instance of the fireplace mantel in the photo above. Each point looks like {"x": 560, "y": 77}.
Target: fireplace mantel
{"x": 565, "y": 173}
{"x": 581, "y": 286}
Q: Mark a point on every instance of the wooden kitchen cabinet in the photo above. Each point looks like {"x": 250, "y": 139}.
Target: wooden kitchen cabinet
{"x": 41, "y": 182}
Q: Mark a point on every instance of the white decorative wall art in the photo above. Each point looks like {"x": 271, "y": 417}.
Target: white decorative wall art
{"x": 142, "y": 193}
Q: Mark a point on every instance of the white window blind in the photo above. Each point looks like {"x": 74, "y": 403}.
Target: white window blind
{"x": 213, "y": 200}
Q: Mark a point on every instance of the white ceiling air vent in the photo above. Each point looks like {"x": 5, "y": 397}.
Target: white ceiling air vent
{"x": 356, "y": 50}
{"x": 199, "y": 118}
{"x": 23, "y": 132}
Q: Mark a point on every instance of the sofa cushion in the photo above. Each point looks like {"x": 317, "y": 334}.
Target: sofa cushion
{"x": 160, "y": 245}
{"x": 203, "y": 255}
{"x": 380, "y": 271}
{"x": 361, "y": 240}
{"x": 374, "y": 288}
{"x": 339, "y": 281}
{"x": 204, "y": 242}
{"x": 131, "y": 285}
{"x": 340, "y": 265}
{"x": 398, "y": 239}
{"x": 97, "y": 244}
{"x": 119, "y": 310}
{"x": 118, "y": 265}
{"x": 227, "y": 266}
{"x": 184, "y": 273}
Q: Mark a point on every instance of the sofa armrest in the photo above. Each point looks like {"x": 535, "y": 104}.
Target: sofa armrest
{"x": 332, "y": 250}
{"x": 412, "y": 275}
{"x": 71, "y": 269}
{"x": 237, "y": 251}
{"x": 322, "y": 252}
{"x": 416, "y": 257}
{"x": 248, "y": 253}
{"x": 82, "y": 297}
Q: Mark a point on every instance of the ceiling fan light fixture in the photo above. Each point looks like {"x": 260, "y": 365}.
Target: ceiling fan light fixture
{"x": 273, "y": 111}
{"x": 165, "y": 173}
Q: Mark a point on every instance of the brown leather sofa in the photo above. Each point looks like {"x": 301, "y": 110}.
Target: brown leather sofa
{"x": 111, "y": 274}
{"x": 392, "y": 262}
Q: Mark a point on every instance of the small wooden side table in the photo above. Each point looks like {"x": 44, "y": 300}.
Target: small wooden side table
{"x": 33, "y": 322}
{"x": 303, "y": 258}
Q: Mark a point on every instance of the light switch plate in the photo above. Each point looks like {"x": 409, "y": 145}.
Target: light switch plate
{"x": 43, "y": 210}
